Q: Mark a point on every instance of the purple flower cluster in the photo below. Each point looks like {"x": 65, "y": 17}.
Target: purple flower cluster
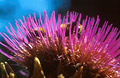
{"x": 86, "y": 51}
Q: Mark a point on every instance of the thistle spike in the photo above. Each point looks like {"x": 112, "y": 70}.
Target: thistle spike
{"x": 3, "y": 69}
{"x": 12, "y": 75}
{"x": 60, "y": 76}
{"x": 38, "y": 71}
{"x": 8, "y": 67}
{"x": 7, "y": 71}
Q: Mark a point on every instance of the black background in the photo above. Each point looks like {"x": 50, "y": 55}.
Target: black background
{"x": 108, "y": 10}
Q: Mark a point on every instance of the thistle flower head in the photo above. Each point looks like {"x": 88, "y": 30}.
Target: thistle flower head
{"x": 68, "y": 48}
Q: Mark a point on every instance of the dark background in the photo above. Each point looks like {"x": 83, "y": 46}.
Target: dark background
{"x": 108, "y": 10}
